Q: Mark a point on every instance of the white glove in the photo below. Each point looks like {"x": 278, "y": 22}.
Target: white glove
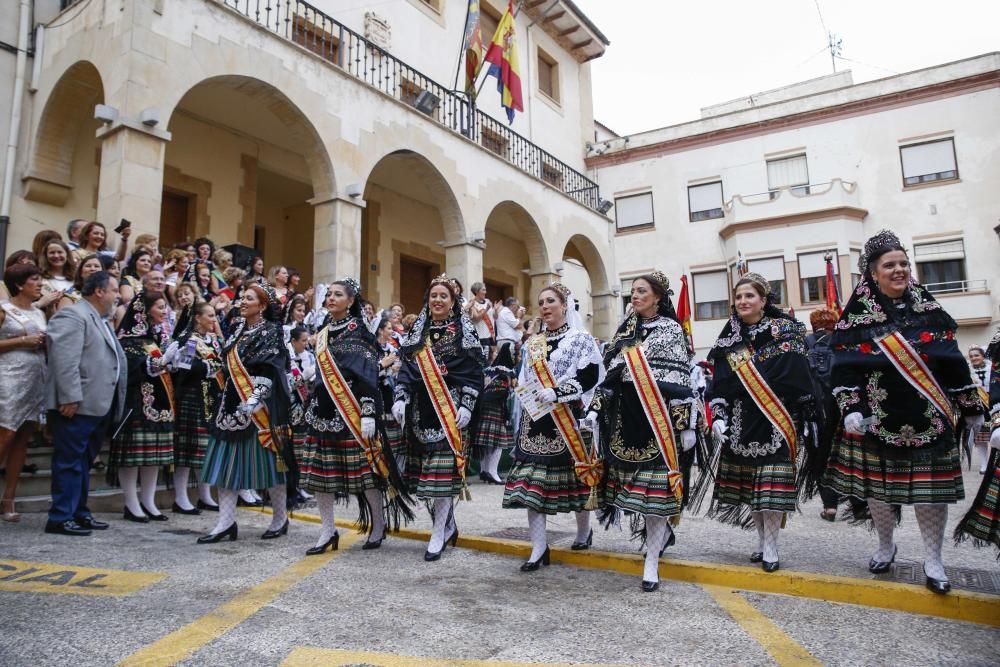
{"x": 688, "y": 438}
{"x": 995, "y": 439}
{"x": 547, "y": 395}
{"x": 171, "y": 353}
{"x": 974, "y": 422}
{"x": 463, "y": 418}
{"x": 251, "y": 406}
{"x": 853, "y": 425}
{"x": 367, "y": 427}
{"x": 719, "y": 430}
{"x": 399, "y": 412}
{"x": 589, "y": 421}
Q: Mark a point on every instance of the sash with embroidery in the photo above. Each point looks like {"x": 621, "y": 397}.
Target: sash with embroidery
{"x": 153, "y": 350}
{"x": 444, "y": 407}
{"x": 489, "y": 324}
{"x": 657, "y": 414}
{"x": 347, "y": 405}
{"x": 244, "y": 387}
{"x": 587, "y": 465}
{"x": 907, "y": 361}
{"x": 741, "y": 361}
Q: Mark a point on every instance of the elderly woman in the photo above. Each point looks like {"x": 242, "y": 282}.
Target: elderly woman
{"x": 904, "y": 393}
{"x": 22, "y": 374}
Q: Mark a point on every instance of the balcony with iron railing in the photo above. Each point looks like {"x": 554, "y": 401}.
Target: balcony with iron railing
{"x": 302, "y": 24}
{"x": 789, "y": 201}
{"x": 968, "y": 301}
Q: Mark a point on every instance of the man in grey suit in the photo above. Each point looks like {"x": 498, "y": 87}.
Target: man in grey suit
{"x": 85, "y": 394}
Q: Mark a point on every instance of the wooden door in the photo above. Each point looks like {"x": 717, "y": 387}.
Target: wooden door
{"x": 414, "y": 277}
{"x": 174, "y": 209}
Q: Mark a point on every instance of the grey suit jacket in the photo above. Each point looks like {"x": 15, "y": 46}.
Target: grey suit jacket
{"x": 86, "y": 363}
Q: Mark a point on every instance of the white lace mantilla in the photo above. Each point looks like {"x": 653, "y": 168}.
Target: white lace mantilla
{"x": 577, "y": 349}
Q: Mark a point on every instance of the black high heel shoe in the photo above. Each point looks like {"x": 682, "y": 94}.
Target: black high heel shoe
{"x": 878, "y": 567}
{"x": 649, "y": 586}
{"x": 939, "y": 586}
{"x": 453, "y": 540}
{"x": 756, "y": 556}
{"x": 531, "y": 566}
{"x": 769, "y": 567}
{"x": 153, "y": 516}
{"x": 230, "y": 532}
{"x": 670, "y": 542}
{"x": 581, "y": 546}
{"x": 202, "y": 505}
{"x": 333, "y": 543}
{"x": 272, "y": 534}
{"x": 373, "y": 544}
{"x": 177, "y": 509}
{"x": 128, "y": 516}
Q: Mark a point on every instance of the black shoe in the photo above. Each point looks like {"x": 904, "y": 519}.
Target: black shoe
{"x": 91, "y": 523}
{"x": 32, "y": 468}
{"x": 248, "y": 503}
{"x": 230, "y": 532}
{"x": 373, "y": 544}
{"x": 100, "y": 465}
{"x": 154, "y": 516}
{"x": 769, "y": 567}
{"x": 531, "y": 566}
{"x": 177, "y": 509}
{"x": 670, "y": 542}
{"x": 430, "y": 556}
{"x": 649, "y": 586}
{"x": 939, "y": 586}
{"x": 66, "y": 528}
{"x": 206, "y": 507}
{"x": 453, "y": 540}
{"x": 333, "y": 543}
{"x": 490, "y": 479}
{"x": 879, "y": 567}
{"x": 128, "y": 516}
{"x": 582, "y": 546}
{"x": 756, "y": 556}
{"x": 272, "y": 534}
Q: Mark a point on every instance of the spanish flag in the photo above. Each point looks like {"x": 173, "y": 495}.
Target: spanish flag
{"x": 502, "y": 56}
{"x": 832, "y": 293}
{"x": 472, "y": 48}
{"x": 684, "y": 311}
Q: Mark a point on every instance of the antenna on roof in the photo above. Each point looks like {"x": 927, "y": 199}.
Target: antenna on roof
{"x": 835, "y": 44}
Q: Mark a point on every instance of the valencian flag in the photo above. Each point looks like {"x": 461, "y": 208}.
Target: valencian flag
{"x": 472, "y": 47}
{"x": 832, "y": 294}
{"x": 684, "y": 311}
{"x": 502, "y": 56}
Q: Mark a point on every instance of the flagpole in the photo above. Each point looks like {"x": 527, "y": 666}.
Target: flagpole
{"x": 461, "y": 48}
{"x": 482, "y": 83}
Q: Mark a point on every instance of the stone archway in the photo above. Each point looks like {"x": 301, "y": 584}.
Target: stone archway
{"x": 599, "y": 307}
{"x": 516, "y": 259}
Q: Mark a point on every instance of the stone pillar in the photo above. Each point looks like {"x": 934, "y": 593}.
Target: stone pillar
{"x": 464, "y": 262}
{"x": 607, "y": 308}
{"x": 336, "y": 238}
{"x": 131, "y": 181}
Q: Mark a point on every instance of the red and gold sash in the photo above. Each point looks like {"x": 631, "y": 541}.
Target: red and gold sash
{"x": 154, "y": 351}
{"x": 347, "y": 404}
{"x": 657, "y": 414}
{"x": 907, "y": 361}
{"x": 489, "y": 324}
{"x": 741, "y": 361}
{"x": 244, "y": 387}
{"x": 444, "y": 407}
{"x": 587, "y": 465}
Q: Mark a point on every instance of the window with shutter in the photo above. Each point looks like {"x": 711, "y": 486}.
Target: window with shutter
{"x": 711, "y": 295}
{"x": 928, "y": 162}
{"x": 789, "y": 172}
{"x": 705, "y": 201}
{"x": 634, "y": 211}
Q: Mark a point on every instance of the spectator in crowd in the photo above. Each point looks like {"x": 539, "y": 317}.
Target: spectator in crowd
{"x": 42, "y": 239}
{"x": 509, "y": 326}
{"x": 73, "y": 229}
{"x": 90, "y": 265}
{"x": 58, "y": 267}
{"x": 94, "y": 240}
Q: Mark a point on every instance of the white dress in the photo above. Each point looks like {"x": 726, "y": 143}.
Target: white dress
{"x": 22, "y": 371}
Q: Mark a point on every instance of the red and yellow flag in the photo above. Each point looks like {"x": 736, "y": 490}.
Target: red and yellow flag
{"x": 472, "y": 48}
{"x": 832, "y": 295}
{"x": 502, "y": 56}
{"x": 684, "y": 311}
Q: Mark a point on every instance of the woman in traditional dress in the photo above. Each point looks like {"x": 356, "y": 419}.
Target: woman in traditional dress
{"x": 346, "y": 453}
{"x": 555, "y": 470}
{"x": 762, "y": 410}
{"x": 982, "y": 371}
{"x": 649, "y": 382}
{"x": 251, "y": 423}
{"x": 145, "y": 441}
{"x": 491, "y": 428}
{"x": 198, "y": 384}
{"x": 301, "y": 380}
{"x": 904, "y": 392}
{"x": 441, "y": 357}
{"x": 982, "y": 522}
{"x": 388, "y": 369}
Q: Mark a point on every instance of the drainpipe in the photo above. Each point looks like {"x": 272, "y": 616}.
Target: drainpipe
{"x": 15, "y": 124}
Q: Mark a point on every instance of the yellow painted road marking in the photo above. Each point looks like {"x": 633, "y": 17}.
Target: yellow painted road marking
{"x": 958, "y": 605}
{"x": 784, "y": 649}
{"x": 183, "y": 643}
{"x": 325, "y": 657}
{"x": 19, "y": 575}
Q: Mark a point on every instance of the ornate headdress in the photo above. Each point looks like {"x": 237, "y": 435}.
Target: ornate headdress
{"x": 269, "y": 300}
{"x": 355, "y": 309}
{"x": 352, "y": 283}
{"x": 883, "y": 242}
{"x": 450, "y": 283}
{"x": 562, "y": 289}
{"x": 134, "y": 322}
{"x": 756, "y": 279}
{"x": 660, "y": 278}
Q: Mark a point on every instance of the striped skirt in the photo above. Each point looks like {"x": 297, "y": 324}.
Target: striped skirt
{"x": 190, "y": 431}
{"x": 138, "y": 445}
{"x": 761, "y": 488}
{"x": 642, "y": 491}
{"x": 437, "y": 475}
{"x": 241, "y": 464}
{"x": 395, "y": 435}
{"x": 928, "y": 477}
{"x": 549, "y": 488}
{"x": 329, "y": 465}
{"x": 299, "y": 434}
{"x": 982, "y": 436}
{"x": 982, "y": 522}
{"x": 491, "y": 429}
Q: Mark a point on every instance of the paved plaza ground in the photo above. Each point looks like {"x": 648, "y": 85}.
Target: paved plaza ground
{"x": 148, "y": 595}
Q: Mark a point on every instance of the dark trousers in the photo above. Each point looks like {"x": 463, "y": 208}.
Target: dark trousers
{"x": 76, "y": 442}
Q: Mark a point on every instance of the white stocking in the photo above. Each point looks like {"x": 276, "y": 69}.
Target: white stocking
{"x": 884, "y": 518}
{"x": 205, "y": 493}
{"x": 582, "y": 526}
{"x": 326, "y": 502}
{"x": 248, "y": 496}
{"x": 375, "y": 509}
{"x": 772, "y": 525}
{"x": 181, "y": 476}
{"x": 442, "y": 510}
{"x": 128, "y": 477}
{"x": 279, "y": 511}
{"x": 758, "y": 522}
{"x": 491, "y": 460}
{"x": 147, "y": 487}
{"x": 656, "y": 537}
{"x": 536, "y": 528}
{"x": 227, "y": 510}
{"x": 932, "y": 520}
{"x": 982, "y": 455}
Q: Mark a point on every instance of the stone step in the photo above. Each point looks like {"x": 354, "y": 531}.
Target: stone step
{"x": 106, "y": 500}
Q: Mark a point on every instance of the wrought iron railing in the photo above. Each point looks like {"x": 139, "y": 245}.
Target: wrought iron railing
{"x": 957, "y": 286}
{"x": 303, "y": 24}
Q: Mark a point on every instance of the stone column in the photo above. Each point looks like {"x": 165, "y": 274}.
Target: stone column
{"x": 539, "y": 281}
{"x": 464, "y": 262}
{"x": 607, "y": 308}
{"x": 336, "y": 238}
{"x": 131, "y": 181}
